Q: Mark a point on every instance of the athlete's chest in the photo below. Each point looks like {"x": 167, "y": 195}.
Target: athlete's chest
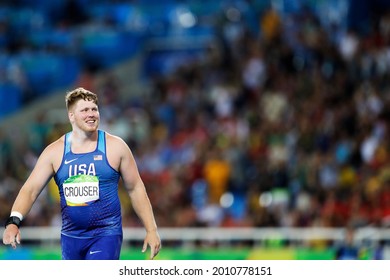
{"x": 87, "y": 164}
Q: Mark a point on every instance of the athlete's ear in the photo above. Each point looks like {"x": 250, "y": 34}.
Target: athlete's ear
{"x": 71, "y": 115}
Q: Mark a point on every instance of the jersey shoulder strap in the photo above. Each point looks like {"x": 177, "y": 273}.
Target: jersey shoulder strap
{"x": 67, "y": 143}
{"x": 101, "y": 141}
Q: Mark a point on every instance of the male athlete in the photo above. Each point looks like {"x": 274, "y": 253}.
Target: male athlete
{"x": 86, "y": 164}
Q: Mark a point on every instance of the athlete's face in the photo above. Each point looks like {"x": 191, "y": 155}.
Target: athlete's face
{"x": 85, "y": 115}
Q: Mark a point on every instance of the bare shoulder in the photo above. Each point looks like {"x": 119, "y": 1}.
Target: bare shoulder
{"x": 115, "y": 140}
{"x": 56, "y": 147}
{"x": 118, "y": 151}
{"x": 53, "y": 153}
{"x": 116, "y": 144}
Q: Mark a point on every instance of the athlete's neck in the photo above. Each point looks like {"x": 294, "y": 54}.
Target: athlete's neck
{"x": 83, "y": 141}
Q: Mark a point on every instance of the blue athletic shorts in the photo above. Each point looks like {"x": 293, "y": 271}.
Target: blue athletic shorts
{"x": 97, "y": 248}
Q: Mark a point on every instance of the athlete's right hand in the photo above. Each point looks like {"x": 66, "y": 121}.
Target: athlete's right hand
{"x": 11, "y": 235}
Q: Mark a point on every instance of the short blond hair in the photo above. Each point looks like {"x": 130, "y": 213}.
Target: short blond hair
{"x": 77, "y": 94}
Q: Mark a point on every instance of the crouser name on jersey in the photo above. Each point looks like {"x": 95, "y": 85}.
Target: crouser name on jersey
{"x": 82, "y": 191}
{"x": 78, "y": 169}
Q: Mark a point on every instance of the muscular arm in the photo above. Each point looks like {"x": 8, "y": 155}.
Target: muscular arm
{"x": 29, "y": 192}
{"x": 138, "y": 195}
{"x": 35, "y": 183}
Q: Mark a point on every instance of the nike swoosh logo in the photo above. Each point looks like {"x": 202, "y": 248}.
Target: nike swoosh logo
{"x": 93, "y": 252}
{"x": 69, "y": 161}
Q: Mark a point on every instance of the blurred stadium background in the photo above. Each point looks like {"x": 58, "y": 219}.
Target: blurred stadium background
{"x": 260, "y": 127}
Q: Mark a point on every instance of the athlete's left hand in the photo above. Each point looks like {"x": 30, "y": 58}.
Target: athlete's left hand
{"x": 153, "y": 240}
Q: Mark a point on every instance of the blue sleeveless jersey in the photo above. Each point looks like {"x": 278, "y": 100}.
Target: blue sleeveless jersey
{"x": 88, "y": 188}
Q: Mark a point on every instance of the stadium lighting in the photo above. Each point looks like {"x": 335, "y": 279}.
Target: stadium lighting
{"x": 226, "y": 200}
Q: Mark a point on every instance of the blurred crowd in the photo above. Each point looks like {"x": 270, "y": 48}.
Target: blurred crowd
{"x": 287, "y": 127}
